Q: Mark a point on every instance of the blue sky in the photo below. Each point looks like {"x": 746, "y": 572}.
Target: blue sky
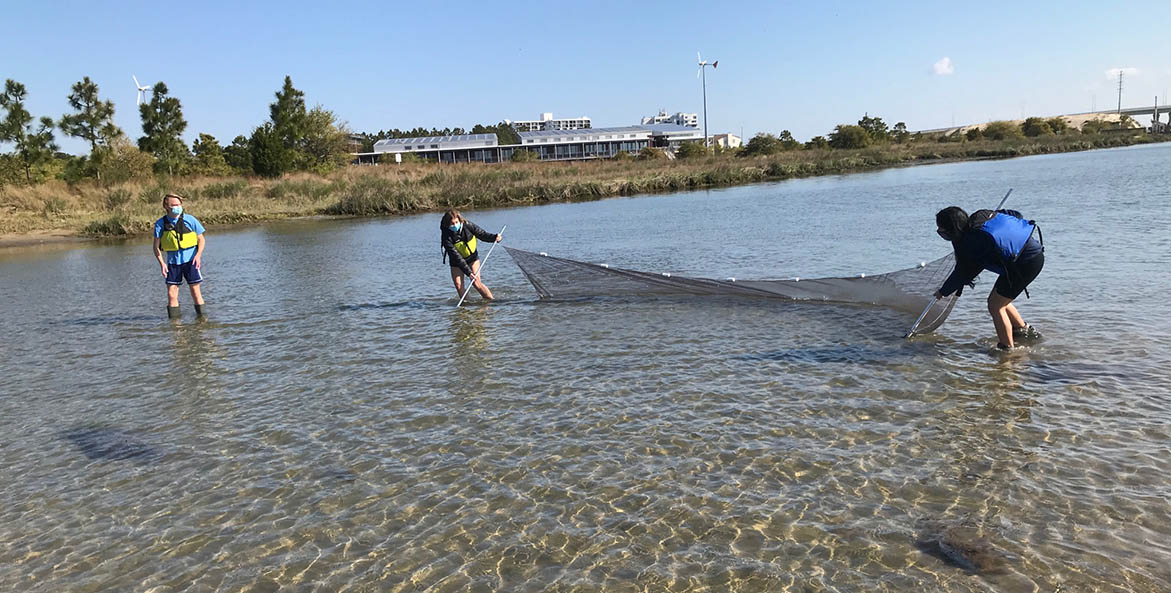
{"x": 801, "y": 66}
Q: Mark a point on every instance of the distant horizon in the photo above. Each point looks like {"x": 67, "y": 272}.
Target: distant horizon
{"x": 804, "y": 69}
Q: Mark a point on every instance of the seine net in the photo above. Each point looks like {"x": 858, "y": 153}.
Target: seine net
{"x": 909, "y": 290}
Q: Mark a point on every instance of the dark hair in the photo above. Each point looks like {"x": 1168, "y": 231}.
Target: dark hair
{"x": 448, "y": 216}
{"x": 953, "y": 221}
{"x": 169, "y": 196}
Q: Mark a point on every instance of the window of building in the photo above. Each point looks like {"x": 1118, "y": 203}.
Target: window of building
{"x": 434, "y": 146}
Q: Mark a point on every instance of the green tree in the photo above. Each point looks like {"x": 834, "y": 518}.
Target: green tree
{"x": 900, "y": 133}
{"x": 124, "y": 162}
{"x": 34, "y": 147}
{"x": 93, "y": 120}
{"x": 238, "y": 155}
{"x": 1058, "y": 125}
{"x": 689, "y": 150}
{"x": 762, "y": 145}
{"x": 787, "y": 141}
{"x": 816, "y": 142}
{"x": 208, "y": 157}
{"x": 163, "y": 125}
{"x": 325, "y": 144}
{"x": 288, "y": 115}
{"x": 1002, "y": 130}
{"x": 270, "y": 157}
{"x": 1036, "y": 126}
{"x": 974, "y": 134}
{"x": 875, "y": 128}
{"x": 847, "y": 136}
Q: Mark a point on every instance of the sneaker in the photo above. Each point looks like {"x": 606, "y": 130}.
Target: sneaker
{"x": 1027, "y": 332}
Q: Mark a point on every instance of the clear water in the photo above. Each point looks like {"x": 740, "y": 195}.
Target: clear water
{"x": 340, "y": 425}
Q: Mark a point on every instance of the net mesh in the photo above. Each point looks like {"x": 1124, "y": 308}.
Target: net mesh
{"x": 909, "y": 290}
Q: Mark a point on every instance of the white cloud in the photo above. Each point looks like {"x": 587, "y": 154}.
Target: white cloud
{"x": 944, "y": 66}
{"x": 1112, "y": 73}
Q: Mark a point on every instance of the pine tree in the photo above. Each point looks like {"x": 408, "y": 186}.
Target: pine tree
{"x": 94, "y": 120}
{"x": 34, "y": 147}
{"x": 163, "y": 125}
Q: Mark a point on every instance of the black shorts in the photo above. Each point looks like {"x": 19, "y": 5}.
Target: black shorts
{"x": 471, "y": 259}
{"x": 1018, "y": 276}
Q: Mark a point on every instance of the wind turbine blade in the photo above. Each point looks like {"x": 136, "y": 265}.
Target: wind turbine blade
{"x": 697, "y": 72}
{"x": 698, "y": 57}
{"x": 136, "y": 81}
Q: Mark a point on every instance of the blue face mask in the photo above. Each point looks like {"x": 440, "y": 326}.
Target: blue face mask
{"x": 176, "y": 210}
{"x": 456, "y": 227}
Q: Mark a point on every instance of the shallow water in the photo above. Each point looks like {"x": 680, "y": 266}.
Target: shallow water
{"x": 339, "y": 425}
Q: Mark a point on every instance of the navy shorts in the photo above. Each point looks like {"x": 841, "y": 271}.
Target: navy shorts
{"x": 177, "y": 273}
{"x": 1018, "y": 276}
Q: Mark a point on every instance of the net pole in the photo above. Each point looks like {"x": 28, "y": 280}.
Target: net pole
{"x": 934, "y": 300}
{"x": 482, "y": 264}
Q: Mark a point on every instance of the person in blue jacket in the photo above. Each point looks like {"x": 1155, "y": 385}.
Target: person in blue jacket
{"x": 1002, "y": 242}
{"x": 178, "y": 247}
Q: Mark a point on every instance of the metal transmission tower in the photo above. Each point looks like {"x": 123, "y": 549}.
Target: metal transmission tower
{"x": 1120, "y": 90}
{"x": 703, "y": 75}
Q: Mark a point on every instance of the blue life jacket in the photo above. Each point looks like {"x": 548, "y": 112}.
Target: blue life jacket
{"x": 1010, "y": 235}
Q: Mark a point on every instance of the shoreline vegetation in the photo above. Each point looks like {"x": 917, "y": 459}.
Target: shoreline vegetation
{"x": 57, "y": 210}
{"x": 296, "y": 165}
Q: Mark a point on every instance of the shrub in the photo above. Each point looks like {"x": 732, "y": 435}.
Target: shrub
{"x": 845, "y": 136}
{"x": 117, "y": 198}
{"x": 689, "y": 150}
{"x": 523, "y": 156}
{"x": 1035, "y": 126}
{"x": 1002, "y": 130}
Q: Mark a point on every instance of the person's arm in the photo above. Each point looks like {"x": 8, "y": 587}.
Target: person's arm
{"x": 968, "y": 264}
{"x": 198, "y": 250}
{"x": 456, "y": 258}
{"x": 481, "y": 234}
{"x": 159, "y": 255}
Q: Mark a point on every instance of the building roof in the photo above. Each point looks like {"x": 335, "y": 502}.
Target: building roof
{"x": 437, "y": 139}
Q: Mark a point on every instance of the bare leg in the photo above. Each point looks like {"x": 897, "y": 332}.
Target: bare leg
{"x": 196, "y": 295}
{"x": 457, "y": 278}
{"x": 479, "y": 284}
{"x": 1004, "y": 317}
{"x": 172, "y": 295}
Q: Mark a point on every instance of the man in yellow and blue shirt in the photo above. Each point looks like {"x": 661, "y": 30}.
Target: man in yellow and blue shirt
{"x": 178, "y": 247}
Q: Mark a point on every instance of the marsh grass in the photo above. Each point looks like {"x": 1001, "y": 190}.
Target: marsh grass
{"x": 132, "y": 208}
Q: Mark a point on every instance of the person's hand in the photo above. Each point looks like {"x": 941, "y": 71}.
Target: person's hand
{"x": 196, "y": 261}
{"x": 164, "y": 266}
{"x": 499, "y": 238}
{"x": 938, "y": 295}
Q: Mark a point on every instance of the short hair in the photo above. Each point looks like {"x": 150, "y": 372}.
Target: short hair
{"x": 169, "y": 196}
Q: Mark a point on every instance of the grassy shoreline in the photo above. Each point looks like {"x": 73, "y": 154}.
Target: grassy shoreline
{"x": 56, "y": 209}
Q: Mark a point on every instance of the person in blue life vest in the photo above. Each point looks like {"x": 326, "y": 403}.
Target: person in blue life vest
{"x": 178, "y": 247}
{"x": 459, "y": 238}
{"x": 1003, "y": 242}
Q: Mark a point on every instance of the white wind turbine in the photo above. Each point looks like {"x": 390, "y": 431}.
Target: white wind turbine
{"x": 142, "y": 90}
{"x": 703, "y": 74}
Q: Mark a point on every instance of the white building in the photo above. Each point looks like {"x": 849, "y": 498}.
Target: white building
{"x": 726, "y": 141}
{"x": 547, "y": 123}
{"x": 690, "y": 120}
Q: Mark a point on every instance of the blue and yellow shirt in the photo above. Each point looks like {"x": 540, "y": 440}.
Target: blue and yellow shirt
{"x": 179, "y": 249}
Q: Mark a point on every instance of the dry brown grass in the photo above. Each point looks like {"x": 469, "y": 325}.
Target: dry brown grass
{"x": 131, "y": 208}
